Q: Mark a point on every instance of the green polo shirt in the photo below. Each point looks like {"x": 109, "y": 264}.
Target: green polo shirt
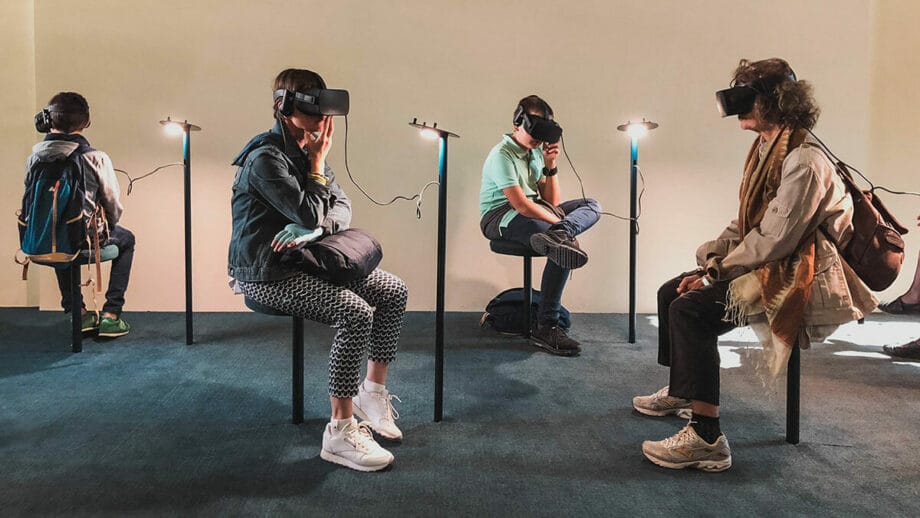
{"x": 509, "y": 164}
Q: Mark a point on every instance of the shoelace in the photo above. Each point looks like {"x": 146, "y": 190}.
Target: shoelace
{"x": 391, "y": 414}
{"x": 361, "y": 436}
{"x": 681, "y": 437}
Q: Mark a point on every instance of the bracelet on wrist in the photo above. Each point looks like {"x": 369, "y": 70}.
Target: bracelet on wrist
{"x": 550, "y": 172}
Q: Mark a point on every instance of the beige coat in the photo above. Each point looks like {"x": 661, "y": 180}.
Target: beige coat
{"x": 811, "y": 198}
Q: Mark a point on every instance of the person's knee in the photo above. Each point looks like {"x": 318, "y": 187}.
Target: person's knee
{"x": 123, "y": 238}
{"x": 360, "y": 315}
{"x": 667, "y": 293}
{"x": 400, "y": 293}
{"x": 593, "y": 204}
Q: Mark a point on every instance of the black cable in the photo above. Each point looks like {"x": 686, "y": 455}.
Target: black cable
{"x": 872, "y": 186}
{"x": 141, "y": 177}
{"x": 585, "y": 199}
{"x": 417, "y": 197}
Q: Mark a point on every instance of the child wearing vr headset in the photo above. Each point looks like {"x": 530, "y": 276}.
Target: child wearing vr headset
{"x": 64, "y": 120}
{"x": 520, "y": 201}
{"x": 776, "y": 266}
{"x": 285, "y": 194}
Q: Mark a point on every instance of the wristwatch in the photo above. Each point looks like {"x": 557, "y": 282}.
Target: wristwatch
{"x": 550, "y": 172}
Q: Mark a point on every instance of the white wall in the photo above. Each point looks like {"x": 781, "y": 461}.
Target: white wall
{"x": 894, "y": 134}
{"x": 17, "y": 75}
{"x": 463, "y": 64}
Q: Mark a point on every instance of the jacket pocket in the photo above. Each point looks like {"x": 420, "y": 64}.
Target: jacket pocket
{"x": 830, "y": 290}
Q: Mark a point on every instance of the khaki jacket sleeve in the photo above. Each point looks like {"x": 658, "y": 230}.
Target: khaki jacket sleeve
{"x": 720, "y": 246}
{"x": 790, "y": 216}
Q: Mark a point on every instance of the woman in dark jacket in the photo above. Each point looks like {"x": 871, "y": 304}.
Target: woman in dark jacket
{"x": 284, "y": 194}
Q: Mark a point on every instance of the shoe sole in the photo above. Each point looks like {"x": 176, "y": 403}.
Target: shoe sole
{"x": 363, "y": 416}
{"x": 552, "y": 350}
{"x": 711, "y": 466}
{"x": 567, "y": 257}
{"x": 342, "y": 461}
{"x": 683, "y": 412}
{"x": 114, "y": 335}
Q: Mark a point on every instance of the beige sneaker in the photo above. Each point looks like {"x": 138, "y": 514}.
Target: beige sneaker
{"x": 354, "y": 446}
{"x": 376, "y": 409}
{"x": 660, "y": 403}
{"x": 686, "y": 449}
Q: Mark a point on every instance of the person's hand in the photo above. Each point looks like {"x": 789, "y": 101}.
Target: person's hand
{"x": 690, "y": 283}
{"x": 550, "y": 153}
{"x": 294, "y": 234}
{"x": 318, "y": 145}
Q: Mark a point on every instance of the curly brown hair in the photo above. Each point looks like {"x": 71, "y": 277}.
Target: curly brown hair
{"x": 781, "y": 98}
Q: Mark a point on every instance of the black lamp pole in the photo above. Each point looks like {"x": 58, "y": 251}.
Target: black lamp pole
{"x": 442, "y": 136}
{"x": 634, "y": 130}
{"x": 187, "y": 128}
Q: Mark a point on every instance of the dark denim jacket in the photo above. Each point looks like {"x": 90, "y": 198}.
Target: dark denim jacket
{"x": 272, "y": 189}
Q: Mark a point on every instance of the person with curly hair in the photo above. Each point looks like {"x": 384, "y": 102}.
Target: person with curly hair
{"x": 775, "y": 266}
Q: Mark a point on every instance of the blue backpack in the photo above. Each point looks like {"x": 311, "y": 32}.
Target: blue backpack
{"x": 505, "y": 312}
{"x": 52, "y": 229}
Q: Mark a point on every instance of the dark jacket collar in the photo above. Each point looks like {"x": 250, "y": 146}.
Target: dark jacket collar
{"x": 69, "y": 137}
{"x": 279, "y": 137}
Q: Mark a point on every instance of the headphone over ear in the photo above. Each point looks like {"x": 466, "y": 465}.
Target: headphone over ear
{"x": 43, "y": 121}
{"x": 286, "y": 107}
{"x": 518, "y": 116}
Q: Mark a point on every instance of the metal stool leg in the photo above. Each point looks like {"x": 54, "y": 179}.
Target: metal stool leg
{"x": 76, "y": 308}
{"x": 297, "y": 383}
{"x": 528, "y": 296}
{"x": 793, "y": 378}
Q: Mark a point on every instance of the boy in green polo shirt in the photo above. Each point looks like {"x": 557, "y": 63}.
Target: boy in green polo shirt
{"x": 520, "y": 201}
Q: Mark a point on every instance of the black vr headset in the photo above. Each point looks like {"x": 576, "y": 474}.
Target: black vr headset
{"x": 739, "y": 99}
{"x": 316, "y": 101}
{"x": 540, "y": 128}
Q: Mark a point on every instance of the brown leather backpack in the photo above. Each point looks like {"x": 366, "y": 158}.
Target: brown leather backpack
{"x": 876, "y": 250}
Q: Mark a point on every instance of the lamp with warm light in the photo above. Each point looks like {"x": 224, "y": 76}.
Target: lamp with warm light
{"x": 184, "y": 128}
{"x": 635, "y": 130}
{"x": 434, "y": 132}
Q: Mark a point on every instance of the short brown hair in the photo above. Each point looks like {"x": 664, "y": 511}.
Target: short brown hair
{"x": 296, "y": 80}
{"x": 534, "y": 104}
{"x": 781, "y": 97}
{"x": 69, "y": 112}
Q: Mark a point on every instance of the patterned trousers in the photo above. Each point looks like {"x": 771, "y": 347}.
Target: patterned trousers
{"x": 367, "y": 315}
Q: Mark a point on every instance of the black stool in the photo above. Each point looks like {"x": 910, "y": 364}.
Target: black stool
{"x": 106, "y": 253}
{"x": 297, "y": 353}
{"x": 503, "y": 247}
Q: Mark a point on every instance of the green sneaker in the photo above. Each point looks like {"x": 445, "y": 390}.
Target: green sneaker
{"x": 90, "y": 321}
{"x": 113, "y": 327}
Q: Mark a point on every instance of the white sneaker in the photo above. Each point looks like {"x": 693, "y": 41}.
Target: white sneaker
{"x": 660, "y": 404}
{"x": 376, "y": 408}
{"x": 354, "y": 446}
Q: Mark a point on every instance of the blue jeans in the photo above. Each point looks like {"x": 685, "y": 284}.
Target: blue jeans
{"x": 580, "y": 215}
{"x": 118, "y": 277}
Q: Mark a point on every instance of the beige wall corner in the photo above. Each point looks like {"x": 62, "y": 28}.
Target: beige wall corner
{"x": 894, "y": 131}
{"x": 17, "y": 104}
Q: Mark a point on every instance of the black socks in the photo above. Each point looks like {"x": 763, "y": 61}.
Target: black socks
{"x": 706, "y": 427}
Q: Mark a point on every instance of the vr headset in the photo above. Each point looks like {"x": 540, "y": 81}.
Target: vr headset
{"x": 739, "y": 99}
{"x": 736, "y": 100}
{"x": 43, "y": 118}
{"x": 540, "y": 128}
{"x": 313, "y": 102}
